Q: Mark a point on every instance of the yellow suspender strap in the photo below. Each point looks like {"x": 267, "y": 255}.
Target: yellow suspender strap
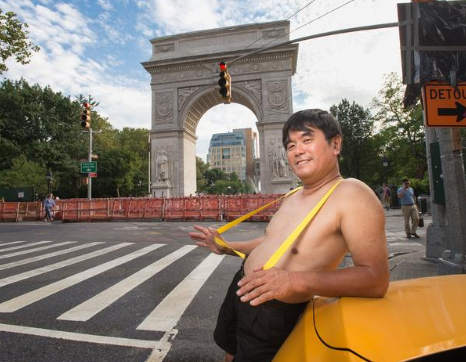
{"x": 292, "y": 237}
{"x": 228, "y": 226}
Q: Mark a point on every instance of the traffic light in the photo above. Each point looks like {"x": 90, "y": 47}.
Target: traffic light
{"x": 86, "y": 115}
{"x": 225, "y": 83}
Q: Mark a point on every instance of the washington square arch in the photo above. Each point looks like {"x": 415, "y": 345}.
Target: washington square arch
{"x": 184, "y": 71}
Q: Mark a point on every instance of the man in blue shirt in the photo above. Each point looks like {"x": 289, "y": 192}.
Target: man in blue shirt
{"x": 49, "y": 203}
{"x": 408, "y": 208}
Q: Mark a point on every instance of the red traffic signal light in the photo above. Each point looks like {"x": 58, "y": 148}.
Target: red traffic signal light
{"x": 225, "y": 83}
{"x": 86, "y": 115}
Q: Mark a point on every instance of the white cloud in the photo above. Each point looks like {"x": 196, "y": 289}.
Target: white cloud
{"x": 329, "y": 69}
{"x": 105, "y": 4}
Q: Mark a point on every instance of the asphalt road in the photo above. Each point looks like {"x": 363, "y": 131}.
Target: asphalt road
{"x": 123, "y": 291}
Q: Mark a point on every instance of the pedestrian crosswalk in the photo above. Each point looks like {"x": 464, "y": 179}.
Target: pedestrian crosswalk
{"x": 37, "y": 272}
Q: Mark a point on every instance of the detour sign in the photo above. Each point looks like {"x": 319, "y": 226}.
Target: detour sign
{"x": 445, "y": 106}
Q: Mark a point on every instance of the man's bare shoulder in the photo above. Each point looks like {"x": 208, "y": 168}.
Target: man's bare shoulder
{"x": 353, "y": 194}
{"x": 352, "y": 187}
{"x": 357, "y": 202}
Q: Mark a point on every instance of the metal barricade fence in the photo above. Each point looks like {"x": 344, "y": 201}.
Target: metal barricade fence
{"x": 199, "y": 208}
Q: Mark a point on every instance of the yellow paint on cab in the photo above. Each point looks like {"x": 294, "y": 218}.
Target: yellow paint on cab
{"x": 417, "y": 317}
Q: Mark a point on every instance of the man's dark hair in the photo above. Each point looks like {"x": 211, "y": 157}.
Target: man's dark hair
{"x": 405, "y": 179}
{"x": 312, "y": 118}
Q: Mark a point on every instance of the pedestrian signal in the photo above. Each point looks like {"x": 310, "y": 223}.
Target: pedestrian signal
{"x": 86, "y": 115}
{"x": 225, "y": 83}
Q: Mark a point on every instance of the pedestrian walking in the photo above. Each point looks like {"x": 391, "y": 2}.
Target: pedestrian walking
{"x": 409, "y": 208}
{"x": 386, "y": 194}
{"x": 49, "y": 204}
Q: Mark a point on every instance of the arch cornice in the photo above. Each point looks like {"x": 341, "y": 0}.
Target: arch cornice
{"x": 190, "y": 64}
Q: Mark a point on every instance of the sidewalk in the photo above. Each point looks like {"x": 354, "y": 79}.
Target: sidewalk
{"x": 408, "y": 261}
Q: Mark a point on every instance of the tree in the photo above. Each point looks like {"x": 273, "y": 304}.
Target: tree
{"x": 201, "y": 168}
{"x": 214, "y": 174}
{"x": 358, "y": 149}
{"x": 118, "y": 169}
{"x": 402, "y": 131}
{"x": 14, "y": 40}
{"x": 43, "y": 126}
{"x": 25, "y": 173}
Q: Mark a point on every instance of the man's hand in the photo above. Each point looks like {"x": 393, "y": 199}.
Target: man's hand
{"x": 264, "y": 285}
{"x": 205, "y": 239}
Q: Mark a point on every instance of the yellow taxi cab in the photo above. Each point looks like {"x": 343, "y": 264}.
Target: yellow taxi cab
{"x": 421, "y": 320}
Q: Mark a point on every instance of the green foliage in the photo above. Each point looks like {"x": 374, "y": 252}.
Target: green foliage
{"x": 212, "y": 175}
{"x": 420, "y": 186}
{"x": 201, "y": 168}
{"x": 117, "y": 172}
{"x": 402, "y": 132}
{"x": 359, "y": 146}
{"x": 44, "y": 127}
{"x": 13, "y": 40}
{"x": 248, "y": 187}
{"x": 24, "y": 173}
{"x": 216, "y": 182}
{"x": 226, "y": 188}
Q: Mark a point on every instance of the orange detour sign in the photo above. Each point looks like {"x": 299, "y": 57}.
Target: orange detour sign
{"x": 445, "y": 106}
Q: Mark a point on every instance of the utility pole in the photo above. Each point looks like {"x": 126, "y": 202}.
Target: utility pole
{"x": 86, "y": 117}
{"x": 446, "y": 236}
{"x": 89, "y": 179}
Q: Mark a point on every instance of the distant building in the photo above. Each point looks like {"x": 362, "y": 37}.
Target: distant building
{"x": 234, "y": 152}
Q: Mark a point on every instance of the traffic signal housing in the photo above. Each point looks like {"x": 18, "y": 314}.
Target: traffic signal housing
{"x": 86, "y": 116}
{"x": 225, "y": 83}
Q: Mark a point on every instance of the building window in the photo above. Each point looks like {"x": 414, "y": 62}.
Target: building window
{"x": 225, "y": 153}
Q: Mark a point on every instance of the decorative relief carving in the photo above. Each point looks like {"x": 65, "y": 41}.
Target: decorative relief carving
{"x": 165, "y": 48}
{"x": 163, "y": 107}
{"x": 277, "y": 97}
{"x": 177, "y": 75}
{"x": 254, "y": 86}
{"x": 164, "y": 156}
{"x": 195, "y": 71}
{"x": 274, "y": 34}
{"x": 184, "y": 93}
{"x": 277, "y": 160}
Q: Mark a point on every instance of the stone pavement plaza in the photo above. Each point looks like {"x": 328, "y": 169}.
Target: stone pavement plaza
{"x": 407, "y": 256}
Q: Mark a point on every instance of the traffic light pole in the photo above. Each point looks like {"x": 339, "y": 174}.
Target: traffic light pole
{"x": 89, "y": 179}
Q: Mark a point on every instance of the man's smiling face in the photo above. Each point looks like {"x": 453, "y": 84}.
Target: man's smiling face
{"x": 310, "y": 154}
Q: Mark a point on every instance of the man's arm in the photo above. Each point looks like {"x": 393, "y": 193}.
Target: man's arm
{"x": 363, "y": 229}
{"x": 205, "y": 238}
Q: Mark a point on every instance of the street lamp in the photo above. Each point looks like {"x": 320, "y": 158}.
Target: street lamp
{"x": 385, "y": 167}
{"x": 48, "y": 177}
{"x": 229, "y": 190}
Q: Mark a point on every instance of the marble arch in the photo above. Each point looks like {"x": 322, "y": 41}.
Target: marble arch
{"x": 184, "y": 75}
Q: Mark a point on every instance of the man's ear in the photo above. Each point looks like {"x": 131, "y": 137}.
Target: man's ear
{"x": 336, "y": 144}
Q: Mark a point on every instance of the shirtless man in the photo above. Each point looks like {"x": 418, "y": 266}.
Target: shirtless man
{"x": 262, "y": 306}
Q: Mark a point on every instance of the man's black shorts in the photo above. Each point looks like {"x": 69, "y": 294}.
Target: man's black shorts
{"x": 254, "y": 334}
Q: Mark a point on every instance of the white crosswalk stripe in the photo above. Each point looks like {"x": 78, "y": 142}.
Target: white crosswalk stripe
{"x": 25, "y": 246}
{"x": 49, "y": 255}
{"x": 94, "y": 305}
{"x": 11, "y": 243}
{"x": 164, "y": 316}
{"x": 169, "y": 311}
{"x": 24, "y": 300}
{"x": 32, "y": 273}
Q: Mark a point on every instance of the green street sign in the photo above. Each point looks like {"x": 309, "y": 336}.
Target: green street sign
{"x": 87, "y": 167}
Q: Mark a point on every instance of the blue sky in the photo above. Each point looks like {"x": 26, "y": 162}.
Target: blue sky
{"x": 96, "y": 47}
